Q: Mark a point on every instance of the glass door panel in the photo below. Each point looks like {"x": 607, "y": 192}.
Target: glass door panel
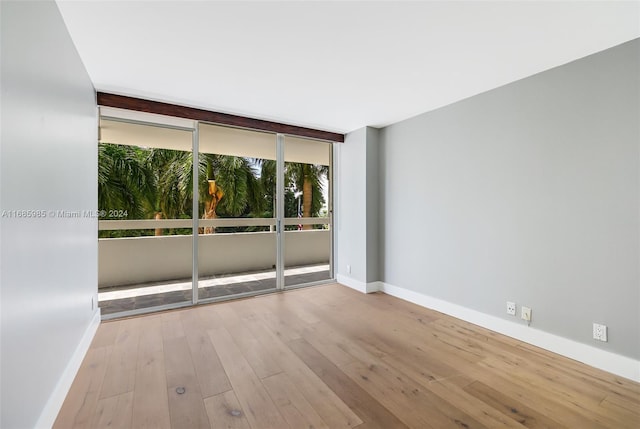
{"x": 145, "y": 217}
{"x": 307, "y": 212}
{"x": 148, "y": 201}
{"x": 237, "y": 239}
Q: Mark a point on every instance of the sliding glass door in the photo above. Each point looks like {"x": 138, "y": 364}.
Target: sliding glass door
{"x": 145, "y": 211}
{"x": 237, "y": 240}
{"x": 208, "y": 212}
{"x": 308, "y": 209}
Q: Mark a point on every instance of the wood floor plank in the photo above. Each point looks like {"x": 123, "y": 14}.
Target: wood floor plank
{"x": 263, "y": 364}
{"x": 225, "y": 412}
{"x": 384, "y": 332}
{"x": 403, "y": 396}
{"x": 260, "y": 410}
{"x": 431, "y": 339}
{"x": 283, "y": 329}
{"x": 537, "y": 371}
{"x": 329, "y": 356}
{"x": 330, "y": 407}
{"x": 424, "y": 362}
{"x": 106, "y": 334}
{"x": 349, "y": 323}
{"x": 574, "y": 400}
{"x": 293, "y": 406}
{"x": 172, "y": 324}
{"x": 451, "y": 390}
{"x": 331, "y": 342}
{"x": 81, "y": 401}
{"x": 370, "y": 410}
{"x": 430, "y": 362}
{"x": 601, "y": 379}
{"x": 403, "y": 309}
{"x": 569, "y": 377}
{"x": 511, "y": 407}
{"x": 120, "y": 377}
{"x": 403, "y": 339}
{"x": 621, "y": 413}
{"x": 395, "y": 397}
{"x": 150, "y": 401}
{"x": 433, "y": 362}
{"x": 320, "y": 335}
{"x": 114, "y": 412}
{"x": 426, "y": 329}
{"x": 419, "y": 366}
{"x": 321, "y": 295}
{"x": 623, "y": 402}
{"x": 546, "y": 379}
{"x": 210, "y": 373}
{"x": 468, "y": 330}
{"x": 209, "y": 318}
{"x": 543, "y": 404}
{"x": 304, "y": 315}
{"x": 186, "y": 406}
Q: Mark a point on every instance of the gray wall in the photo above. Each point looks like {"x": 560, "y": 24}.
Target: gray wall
{"x": 528, "y": 193}
{"x": 357, "y": 205}
{"x": 350, "y": 205}
{"x": 373, "y": 205}
{"x": 48, "y": 161}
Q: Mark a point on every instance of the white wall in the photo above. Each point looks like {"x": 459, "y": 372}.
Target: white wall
{"x": 124, "y": 261}
{"x": 48, "y": 162}
{"x": 528, "y": 193}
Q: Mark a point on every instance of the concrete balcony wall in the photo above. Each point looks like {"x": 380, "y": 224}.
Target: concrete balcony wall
{"x": 126, "y": 261}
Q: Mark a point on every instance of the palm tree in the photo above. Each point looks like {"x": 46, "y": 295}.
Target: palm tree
{"x": 158, "y": 184}
{"x": 173, "y": 179}
{"x": 267, "y": 179}
{"x": 228, "y": 187}
{"x": 124, "y": 181}
{"x": 308, "y": 178}
{"x": 236, "y": 177}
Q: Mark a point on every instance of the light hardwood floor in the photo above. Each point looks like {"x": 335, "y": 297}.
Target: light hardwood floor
{"x": 330, "y": 357}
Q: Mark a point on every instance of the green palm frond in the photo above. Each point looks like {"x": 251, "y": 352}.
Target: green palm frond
{"x": 124, "y": 180}
{"x": 146, "y": 181}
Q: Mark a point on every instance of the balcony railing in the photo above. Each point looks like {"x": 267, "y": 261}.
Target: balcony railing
{"x": 133, "y": 261}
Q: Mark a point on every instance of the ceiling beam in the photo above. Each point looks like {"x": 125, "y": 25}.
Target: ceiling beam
{"x": 141, "y": 105}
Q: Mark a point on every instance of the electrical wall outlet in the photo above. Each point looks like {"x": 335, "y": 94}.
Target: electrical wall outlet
{"x": 511, "y": 308}
{"x": 525, "y": 313}
{"x": 348, "y": 269}
{"x": 599, "y": 332}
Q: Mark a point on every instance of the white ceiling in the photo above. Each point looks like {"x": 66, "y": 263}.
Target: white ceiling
{"x": 333, "y": 65}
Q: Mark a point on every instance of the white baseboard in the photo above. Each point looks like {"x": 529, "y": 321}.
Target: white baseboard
{"x": 358, "y": 285}
{"x": 54, "y": 404}
{"x": 611, "y": 362}
{"x": 374, "y": 287}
